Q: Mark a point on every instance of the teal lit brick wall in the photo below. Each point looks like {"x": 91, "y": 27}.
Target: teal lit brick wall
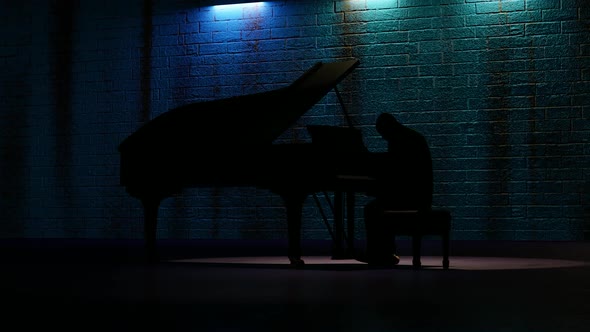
{"x": 501, "y": 90}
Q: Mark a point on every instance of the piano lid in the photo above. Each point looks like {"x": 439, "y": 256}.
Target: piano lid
{"x": 238, "y": 122}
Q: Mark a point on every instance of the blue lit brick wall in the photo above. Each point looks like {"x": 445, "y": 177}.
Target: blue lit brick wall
{"x": 501, "y": 90}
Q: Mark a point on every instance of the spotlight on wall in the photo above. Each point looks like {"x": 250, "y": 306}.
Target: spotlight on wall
{"x": 222, "y": 3}
{"x": 236, "y": 4}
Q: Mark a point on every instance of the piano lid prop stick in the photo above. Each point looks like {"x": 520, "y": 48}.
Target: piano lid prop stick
{"x": 348, "y": 121}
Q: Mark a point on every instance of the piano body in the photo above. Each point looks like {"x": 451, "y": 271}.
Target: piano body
{"x": 229, "y": 142}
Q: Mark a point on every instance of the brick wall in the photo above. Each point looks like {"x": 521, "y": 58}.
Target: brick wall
{"x": 501, "y": 90}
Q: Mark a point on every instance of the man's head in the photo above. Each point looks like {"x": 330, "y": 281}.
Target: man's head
{"x": 387, "y": 125}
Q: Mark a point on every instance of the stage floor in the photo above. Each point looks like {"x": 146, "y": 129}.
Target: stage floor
{"x": 249, "y": 286}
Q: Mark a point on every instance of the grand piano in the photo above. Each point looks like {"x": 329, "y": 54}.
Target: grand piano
{"x": 230, "y": 143}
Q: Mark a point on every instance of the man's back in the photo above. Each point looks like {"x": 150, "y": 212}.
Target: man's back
{"x": 406, "y": 182}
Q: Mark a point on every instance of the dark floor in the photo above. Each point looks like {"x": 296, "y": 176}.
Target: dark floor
{"x": 228, "y": 285}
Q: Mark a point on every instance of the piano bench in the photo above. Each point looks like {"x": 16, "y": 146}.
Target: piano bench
{"x": 418, "y": 224}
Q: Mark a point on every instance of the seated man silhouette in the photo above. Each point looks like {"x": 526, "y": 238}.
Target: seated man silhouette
{"x": 404, "y": 182}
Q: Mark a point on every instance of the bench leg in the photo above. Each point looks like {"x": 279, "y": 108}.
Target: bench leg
{"x": 416, "y": 247}
{"x": 445, "y": 243}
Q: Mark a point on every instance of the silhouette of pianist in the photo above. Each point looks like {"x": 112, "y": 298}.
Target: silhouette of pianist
{"x": 404, "y": 182}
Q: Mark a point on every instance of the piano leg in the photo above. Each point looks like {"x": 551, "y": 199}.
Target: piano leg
{"x": 343, "y": 244}
{"x": 337, "y": 244}
{"x": 150, "y": 211}
{"x": 350, "y": 206}
{"x": 294, "y": 206}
